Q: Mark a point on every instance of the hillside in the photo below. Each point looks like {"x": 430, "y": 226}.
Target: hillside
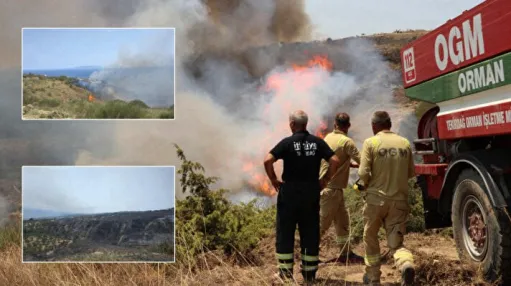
{"x": 258, "y": 61}
{"x": 133, "y": 236}
{"x": 62, "y": 98}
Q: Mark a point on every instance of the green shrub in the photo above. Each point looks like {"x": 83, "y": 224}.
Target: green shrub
{"x": 71, "y": 81}
{"x": 116, "y": 109}
{"x": 355, "y": 204}
{"x": 167, "y": 114}
{"x": 209, "y": 221}
{"x": 29, "y": 98}
{"x": 166, "y": 247}
{"x": 138, "y": 103}
{"x": 416, "y": 221}
{"x": 49, "y": 102}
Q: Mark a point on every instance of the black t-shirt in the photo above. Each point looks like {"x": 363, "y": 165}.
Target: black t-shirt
{"x": 302, "y": 154}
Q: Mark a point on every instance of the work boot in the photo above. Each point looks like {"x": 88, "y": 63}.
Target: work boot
{"x": 284, "y": 275}
{"x": 408, "y": 275}
{"x": 368, "y": 282}
{"x": 309, "y": 277}
{"x": 350, "y": 258}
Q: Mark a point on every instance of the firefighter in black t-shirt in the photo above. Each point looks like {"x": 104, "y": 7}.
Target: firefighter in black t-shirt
{"x": 299, "y": 193}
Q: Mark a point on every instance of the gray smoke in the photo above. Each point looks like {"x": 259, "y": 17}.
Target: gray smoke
{"x": 224, "y": 118}
{"x": 146, "y": 75}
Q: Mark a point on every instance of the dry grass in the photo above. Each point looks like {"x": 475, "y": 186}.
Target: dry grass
{"x": 213, "y": 268}
{"x": 390, "y": 44}
{"x": 435, "y": 258}
{"x": 210, "y": 269}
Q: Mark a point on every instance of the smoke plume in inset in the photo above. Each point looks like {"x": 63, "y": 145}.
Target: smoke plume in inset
{"x": 146, "y": 74}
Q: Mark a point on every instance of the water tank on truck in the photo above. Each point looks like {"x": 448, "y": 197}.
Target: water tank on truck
{"x": 463, "y": 70}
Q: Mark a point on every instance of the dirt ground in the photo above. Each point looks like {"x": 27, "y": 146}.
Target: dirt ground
{"x": 436, "y": 262}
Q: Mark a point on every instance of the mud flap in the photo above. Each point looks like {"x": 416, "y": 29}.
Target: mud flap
{"x": 432, "y": 217}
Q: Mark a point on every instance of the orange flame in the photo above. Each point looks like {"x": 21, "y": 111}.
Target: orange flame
{"x": 303, "y": 78}
{"x": 316, "y": 61}
{"x": 321, "y": 130}
{"x": 91, "y": 98}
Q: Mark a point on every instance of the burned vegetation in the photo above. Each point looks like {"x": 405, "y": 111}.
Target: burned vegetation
{"x": 122, "y": 236}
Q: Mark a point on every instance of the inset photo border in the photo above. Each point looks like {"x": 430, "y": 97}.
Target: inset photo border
{"x": 98, "y": 73}
{"x": 98, "y": 214}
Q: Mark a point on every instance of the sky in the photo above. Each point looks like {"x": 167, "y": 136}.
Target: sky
{"x": 79, "y": 189}
{"x": 331, "y": 18}
{"x": 48, "y": 49}
{"x": 343, "y": 18}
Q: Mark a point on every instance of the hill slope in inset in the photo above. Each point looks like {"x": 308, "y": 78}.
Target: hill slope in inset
{"x": 62, "y": 98}
{"x": 111, "y": 236}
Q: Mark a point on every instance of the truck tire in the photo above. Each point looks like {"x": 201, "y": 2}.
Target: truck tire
{"x": 482, "y": 233}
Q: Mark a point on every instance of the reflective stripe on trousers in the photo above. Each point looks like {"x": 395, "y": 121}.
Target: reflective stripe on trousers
{"x": 403, "y": 257}
{"x": 372, "y": 260}
{"x": 285, "y": 260}
{"x": 310, "y": 262}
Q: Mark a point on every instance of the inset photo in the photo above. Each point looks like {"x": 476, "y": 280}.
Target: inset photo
{"x": 98, "y": 213}
{"x": 98, "y": 73}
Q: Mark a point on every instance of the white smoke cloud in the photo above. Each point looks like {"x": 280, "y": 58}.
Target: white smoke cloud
{"x": 225, "y": 121}
{"x": 146, "y": 74}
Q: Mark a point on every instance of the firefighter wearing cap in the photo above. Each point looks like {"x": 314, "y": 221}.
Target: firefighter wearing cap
{"x": 332, "y": 198}
{"x": 298, "y": 194}
{"x": 385, "y": 168}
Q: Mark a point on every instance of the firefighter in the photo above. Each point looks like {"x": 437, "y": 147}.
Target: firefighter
{"x": 332, "y": 208}
{"x": 298, "y": 194}
{"x": 385, "y": 167}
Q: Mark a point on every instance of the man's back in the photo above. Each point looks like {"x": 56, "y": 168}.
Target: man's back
{"x": 345, "y": 149}
{"x": 388, "y": 158}
{"x": 302, "y": 153}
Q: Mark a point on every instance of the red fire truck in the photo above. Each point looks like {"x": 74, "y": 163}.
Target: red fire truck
{"x": 464, "y": 68}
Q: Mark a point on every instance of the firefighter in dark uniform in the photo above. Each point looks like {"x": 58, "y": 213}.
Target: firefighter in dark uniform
{"x": 299, "y": 194}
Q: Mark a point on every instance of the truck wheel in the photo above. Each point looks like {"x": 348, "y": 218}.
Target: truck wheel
{"x": 481, "y": 232}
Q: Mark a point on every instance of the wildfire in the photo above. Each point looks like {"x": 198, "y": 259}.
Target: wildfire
{"x": 322, "y": 129}
{"x": 91, "y": 98}
{"x": 316, "y": 61}
{"x": 301, "y": 78}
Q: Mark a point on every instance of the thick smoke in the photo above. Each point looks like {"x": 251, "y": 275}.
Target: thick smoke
{"x": 37, "y": 143}
{"x": 206, "y": 127}
{"x": 223, "y": 116}
{"x": 233, "y": 26}
{"x": 146, "y": 75}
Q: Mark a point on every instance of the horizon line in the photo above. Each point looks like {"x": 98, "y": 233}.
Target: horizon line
{"x": 107, "y": 212}
{"x": 90, "y": 67}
